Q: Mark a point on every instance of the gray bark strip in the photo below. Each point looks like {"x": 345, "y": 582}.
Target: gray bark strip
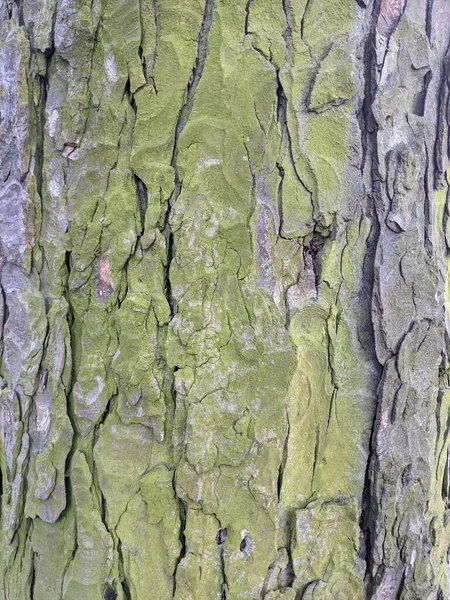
{"x": 223, "y": 311}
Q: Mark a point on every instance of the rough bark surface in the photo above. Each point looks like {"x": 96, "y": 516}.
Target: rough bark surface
{"x": 224, "y": 230}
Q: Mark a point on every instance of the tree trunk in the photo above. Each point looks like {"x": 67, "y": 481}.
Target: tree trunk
{"x": 223, "y": 251}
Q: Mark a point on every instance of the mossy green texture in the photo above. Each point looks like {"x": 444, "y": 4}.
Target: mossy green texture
{"x": 149, "y": 534}
{"x": 207, "y": 304}
{"x": 57, "y": 540}
{"x": 322, "y": 556}
{"x": 92, "y": 561}
{"x": 333, "y": 84}
{"x": 199, "y": 572}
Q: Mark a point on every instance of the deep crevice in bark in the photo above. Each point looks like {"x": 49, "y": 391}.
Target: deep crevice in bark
{"x": 247, "y": 17}
{"x": 419, "y": 103}
{"x": 220, "y": 540}
{"x": 109, "y": 593}
{"x": 183, "y": 116}
{"x": 127, "y": 93}
{"x": 289, "y": 572}
{"x": 142, "y": 197}
{"x": 428, "y": 18}
{"x": 368, "y": 127}
{"x": 123, "y": 579}
{"x": 302, "y": 22}
{"x": 282, "y": 120}
{"x": 427, "y": 233}
{"x": 441, "y": 148}
{"x": 33, "y": 576}
{"x": 280, "y": 199}
{"x": 283, "y": 459}
{"x": 182, "y": 513}
{"x": 312, "y": 251}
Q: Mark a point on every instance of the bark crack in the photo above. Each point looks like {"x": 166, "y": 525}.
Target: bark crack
{"x": 368, "y": 126}
{"x": 220, "y": 540}
{"x": 284, "y": 458}
{"x": 183, "y": 116}
{"x": 182, "y": 514}
{"x": 282, "y": 120}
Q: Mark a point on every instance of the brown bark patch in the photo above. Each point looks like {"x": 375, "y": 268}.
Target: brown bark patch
{"x": 104, "y": 285}
{"x": 390, "y": 13}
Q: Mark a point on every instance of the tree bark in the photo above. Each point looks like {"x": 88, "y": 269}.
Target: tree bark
{"x": 223, "y": 248}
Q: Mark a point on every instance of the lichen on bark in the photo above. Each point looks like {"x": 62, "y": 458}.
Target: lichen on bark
{"x": 223, "y": 320}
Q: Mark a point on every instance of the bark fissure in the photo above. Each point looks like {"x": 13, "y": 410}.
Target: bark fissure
{"x": 283, "y": 121}
{"x": 220, "y": 540}
{"x": 182, "y": 514}
{"x": 369, "y": 144}
{"x": 284, "y": 457}
{"x": 123, "y": 579}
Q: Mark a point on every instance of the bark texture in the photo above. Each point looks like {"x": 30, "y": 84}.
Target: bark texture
{"x": 224, "y": 230}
